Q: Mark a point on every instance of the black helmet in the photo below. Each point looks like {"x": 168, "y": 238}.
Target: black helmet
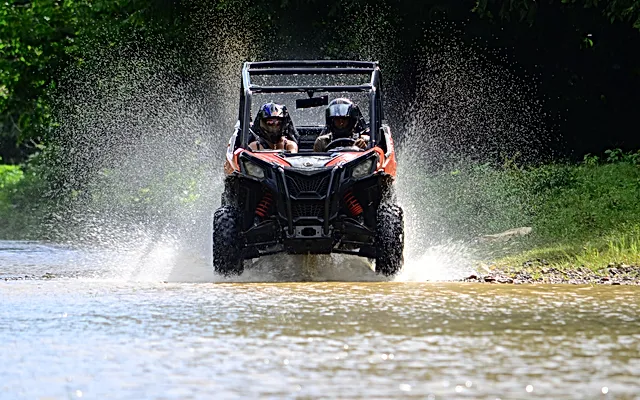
{"x": 272, "y": 132}
{"x": 342, "y": 108}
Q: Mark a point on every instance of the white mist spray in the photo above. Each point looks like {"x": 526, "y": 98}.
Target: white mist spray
{"x": 141, "y": 150}
{"x": 467, "y": 110}
{"x": 147, "y": 147}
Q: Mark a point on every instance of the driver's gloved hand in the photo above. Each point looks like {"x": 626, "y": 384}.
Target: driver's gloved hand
{"x": 361, "y": 143}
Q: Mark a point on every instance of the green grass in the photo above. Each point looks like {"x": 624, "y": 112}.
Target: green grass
{"x": 585, "y": 214}
{"x": 10, "y": 178}
{"x": 619, "y": 247}
{"x": 21, "y": 205}
{"x": 592, "y": 221}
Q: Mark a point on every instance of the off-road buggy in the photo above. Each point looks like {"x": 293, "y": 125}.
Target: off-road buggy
{"x": 339, "y": 201}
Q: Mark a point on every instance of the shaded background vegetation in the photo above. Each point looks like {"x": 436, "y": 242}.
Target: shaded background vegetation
{"x": 583, "y": 54}
{"x": 112, "y": 113}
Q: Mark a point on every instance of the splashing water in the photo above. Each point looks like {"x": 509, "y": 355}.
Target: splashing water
{"x": 470, "y": 108}
{"x": 139, "y": 160}
{"x": 467, "y": 110}
{"x": 145, "y": 149}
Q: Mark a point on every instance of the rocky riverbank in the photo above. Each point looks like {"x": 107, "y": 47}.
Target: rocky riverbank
{"x": 538, "y": 271}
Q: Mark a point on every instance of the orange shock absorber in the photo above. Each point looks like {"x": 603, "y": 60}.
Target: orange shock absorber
{"x": 263, "y": 207}
{"x": 352, "y": 204}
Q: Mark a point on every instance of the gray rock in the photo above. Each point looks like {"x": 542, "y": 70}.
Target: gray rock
{"x": 507, "y": 235}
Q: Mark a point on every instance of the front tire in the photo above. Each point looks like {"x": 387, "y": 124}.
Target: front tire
{"x": 227, "y": 241}
{"x": 389, "y": 239}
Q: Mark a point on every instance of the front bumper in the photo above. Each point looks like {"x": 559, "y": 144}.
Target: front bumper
{"x": 309, "y": 214}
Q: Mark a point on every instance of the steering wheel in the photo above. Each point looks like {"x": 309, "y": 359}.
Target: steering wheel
{"x": 342, "y": 142}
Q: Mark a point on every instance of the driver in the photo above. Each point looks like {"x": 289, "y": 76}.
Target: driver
{"x": 273, "y": 129}
{"x": 343, "y": 120}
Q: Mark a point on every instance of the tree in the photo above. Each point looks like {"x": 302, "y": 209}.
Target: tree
{"x": 39, "y": 40}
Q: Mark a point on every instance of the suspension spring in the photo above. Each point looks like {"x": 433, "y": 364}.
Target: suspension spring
{"x": 352, "y": 204}
{"x": 262, "y": 210}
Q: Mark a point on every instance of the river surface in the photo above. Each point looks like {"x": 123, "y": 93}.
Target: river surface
{"x": 72, "y": 331}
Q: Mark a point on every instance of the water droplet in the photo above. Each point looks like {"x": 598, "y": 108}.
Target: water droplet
{"x": 605, "y": 390}
{"x": 79, "y": 393}
{"x": 346, "y": 346}
{"x": 468, "y": 384}
{"x": 391, "y": 356}
{"x": 529, "y": 388}
{"x": 458, "y": 389}
{"x": 405, "y": 387}
{"x": 64, "y": 315}
{"x": 384, "y": 356}
{"x": 286, "y": 362}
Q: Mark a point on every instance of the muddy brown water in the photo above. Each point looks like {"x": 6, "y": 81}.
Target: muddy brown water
{"x": 78, "y": 335}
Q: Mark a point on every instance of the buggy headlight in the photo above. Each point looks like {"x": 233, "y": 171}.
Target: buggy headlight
{"x": 364, "y": 168}
{"x": 253, "y": 170}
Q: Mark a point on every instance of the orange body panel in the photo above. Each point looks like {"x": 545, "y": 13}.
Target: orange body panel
{"x": 232, "y": 165}
{"x": 386, "y": 164}
{"x": 389, "y": 165}
{"x": 271, "y": 158}
{"x": 346, "y": 157}
{"x": 268, "y": 157}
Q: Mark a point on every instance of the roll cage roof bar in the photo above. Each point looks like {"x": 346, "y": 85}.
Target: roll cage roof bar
{"x": 311, "y": 67}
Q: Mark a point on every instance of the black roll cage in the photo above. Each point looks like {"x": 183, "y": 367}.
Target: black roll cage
{"x": 311, "y": 67}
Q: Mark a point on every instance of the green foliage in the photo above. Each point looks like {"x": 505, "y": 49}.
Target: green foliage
{"x": 617, "y": 155}
{"x": 39, "y": 40}
{"x": 613, "y": 156}
{"x": 562, "y": 203}
{"x": 525, "y": 10}
{"x": 621, "y": 246}
{"x": 10, "y": 176}
{"x": 590, "y": 160}
{"x": 469, "y": 201}
{"x": 599, "y": 199}
{"x": 24, "y": 200}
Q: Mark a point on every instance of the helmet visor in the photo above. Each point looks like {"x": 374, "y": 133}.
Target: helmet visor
{"x": 271, "y": 125}
{"x": 339, "y": 110}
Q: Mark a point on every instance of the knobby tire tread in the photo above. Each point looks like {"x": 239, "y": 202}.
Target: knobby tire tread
{"x": 389, "y": 239}
{"x": 227, "y": 244}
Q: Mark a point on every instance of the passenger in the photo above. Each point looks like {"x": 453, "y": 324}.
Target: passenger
{"x": 343, "y": 120}
{"x": 273, "y": 129}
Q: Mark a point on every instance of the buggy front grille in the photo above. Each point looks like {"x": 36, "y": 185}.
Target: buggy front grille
{"x": 307, "y": 185}
{"x": 307, "y": 209}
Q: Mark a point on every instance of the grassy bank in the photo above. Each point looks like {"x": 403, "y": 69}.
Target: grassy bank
{"x": 592, "y": 220}
{"x": 585, "y": 214}
{"x": 21, "y": 204}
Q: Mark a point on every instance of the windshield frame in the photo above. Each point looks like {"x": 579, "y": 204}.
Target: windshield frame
{"x": 314, "y": 67}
